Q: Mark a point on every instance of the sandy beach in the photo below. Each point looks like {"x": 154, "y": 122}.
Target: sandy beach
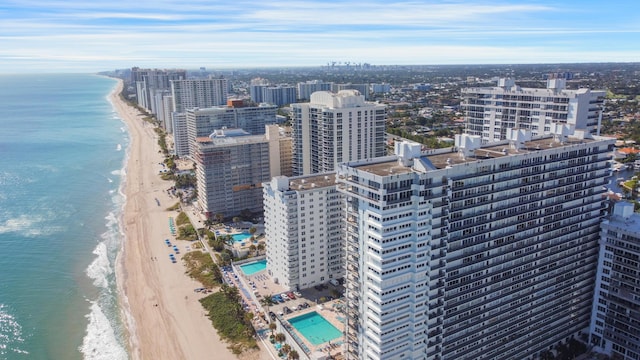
{"x": 166, "y": 320}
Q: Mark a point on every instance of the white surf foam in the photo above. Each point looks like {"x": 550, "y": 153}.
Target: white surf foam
{"x": 101, "y": 342}
{"x": 116, "y": 172}
{"x": 119, "y": 147}
{"x": 100, "y": 269}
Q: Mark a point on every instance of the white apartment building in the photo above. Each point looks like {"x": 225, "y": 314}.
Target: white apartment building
{"x": 472, "y": 252}
{"x": 198, "y": 93}
{"x": 305, "y": 89}
{"x": 335, "y": 128}
{"x": 231, "y": 167}
{"x": 149, "y": 82}
{"x": 303, "y": 227}
{"x": 202, "y": 122}
{"x": 279, "y": 95}
{"x": 490, "y": 111}
{"x": 615, "y": 323}
{"x": 180, "y": 135}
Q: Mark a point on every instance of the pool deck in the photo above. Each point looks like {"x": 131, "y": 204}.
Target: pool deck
{"x": 265, "y": 286}
{"x": 330, "y": 314}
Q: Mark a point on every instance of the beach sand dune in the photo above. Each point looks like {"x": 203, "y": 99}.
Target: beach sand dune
{"x": 166, "y": 320}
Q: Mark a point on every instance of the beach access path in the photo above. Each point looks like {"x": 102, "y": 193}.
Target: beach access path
{"x": 165, "y": 319}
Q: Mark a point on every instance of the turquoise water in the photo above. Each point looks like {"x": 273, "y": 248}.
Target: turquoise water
{"x": 254, "y": 267}
{"x": 315, "y": 328}
{"x": 240, "y": 237}
{"x": 63, "y": 150}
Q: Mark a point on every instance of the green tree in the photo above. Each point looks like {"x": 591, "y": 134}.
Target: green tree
{"x": 252, "y": 230}
{"x": 272, "y": 327}
{"x": 252, "y": 248}
{"x": 260, "y": 247}
{"x": 280, "y": 337}
{"x": 293, "y": 355}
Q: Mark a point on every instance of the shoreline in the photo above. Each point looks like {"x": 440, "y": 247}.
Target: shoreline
{"x": 161, "y": 313}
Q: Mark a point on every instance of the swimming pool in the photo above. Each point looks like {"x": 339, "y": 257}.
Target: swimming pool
{"x": 240, "y": 237}
{"x": 315, "y": 328}
{"x": 254, "y": 267}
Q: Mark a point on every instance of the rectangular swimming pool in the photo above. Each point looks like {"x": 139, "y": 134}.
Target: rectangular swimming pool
{"x": 315, "y": 328}
{"x": 254, "y": 267}
{"x": 240, "y": 237}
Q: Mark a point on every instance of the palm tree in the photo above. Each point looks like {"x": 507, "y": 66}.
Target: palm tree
{"x": 267, "y": 301}
{"x": 236, "y": 219}
{"x": 272, "y": 327}
{"x": 228, "y": 240}
{"x": 280, "y": 337}
{"x": 252, "y": 248}
{"x": 260, "y": 247}
{"x": 293, "y": 355}
{"x": 252, "y": 230}
{"x": 286, "y": 348}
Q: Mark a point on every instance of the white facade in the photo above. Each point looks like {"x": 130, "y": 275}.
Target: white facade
{"x": 303, "y": 218}
{"x": 615, "y": 323}
{"x": 335, "y": 128}
{"x": 472, "y": 252}
{"x": 202, "y": 122}
{"x": 151, "y": 81}
{"x": 490, "y": 111}
{"x": 167, "y": 109}
{"x": 305, "y": 89}
{"x": 279, "y": 95}
{"x": 198, "y": 93}
{"x": 180, "y": 135}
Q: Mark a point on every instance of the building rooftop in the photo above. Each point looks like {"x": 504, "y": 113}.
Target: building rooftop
{"x": 312, "y": 181}
{"x": 442, "y": 158}
{"x": 624, "y": 217}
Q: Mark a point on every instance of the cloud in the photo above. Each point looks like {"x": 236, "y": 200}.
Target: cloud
{"x": 90, "y": 36}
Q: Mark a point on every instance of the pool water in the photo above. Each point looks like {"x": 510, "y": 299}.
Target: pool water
{"x": 240, "y": 237}
{"x": 254, "y": 267}
{"x": 315, "y": 328}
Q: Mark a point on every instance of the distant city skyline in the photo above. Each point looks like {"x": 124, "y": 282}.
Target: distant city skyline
{"x": 75, "y": 36}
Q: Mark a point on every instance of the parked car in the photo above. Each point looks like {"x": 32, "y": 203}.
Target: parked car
{"x": 305, "y": 305}
{"x": 284, "y": 296}
{"x": 286, "y": 310}
{"x": 291, "y": 295}
{"x": 297, "y": 294}
{"x": 272, "y": 315}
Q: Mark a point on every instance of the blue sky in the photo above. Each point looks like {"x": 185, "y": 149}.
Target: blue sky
{"x": 96, "y": 35}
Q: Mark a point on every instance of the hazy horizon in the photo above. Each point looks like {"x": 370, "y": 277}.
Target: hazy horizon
{"x": 72, "y": 36}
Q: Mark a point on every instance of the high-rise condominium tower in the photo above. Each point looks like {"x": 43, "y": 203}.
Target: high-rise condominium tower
{"x": 303, "y": 222}
{"x": 615, "y": 324}
{"x": 198, "y": 93}
{"x": 472, "y": 252}
{"x": 490, "y": 111}
{"x": 334, "y": 128}
{"x": 231, "y": 167}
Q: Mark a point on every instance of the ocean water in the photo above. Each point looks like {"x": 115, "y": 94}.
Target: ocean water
{"x": 62, "y": 155}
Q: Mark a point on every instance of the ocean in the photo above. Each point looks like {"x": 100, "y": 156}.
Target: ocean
{"x": 62, "y": 156}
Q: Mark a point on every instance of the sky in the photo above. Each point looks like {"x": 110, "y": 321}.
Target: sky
{"x": 98, "y": 35}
